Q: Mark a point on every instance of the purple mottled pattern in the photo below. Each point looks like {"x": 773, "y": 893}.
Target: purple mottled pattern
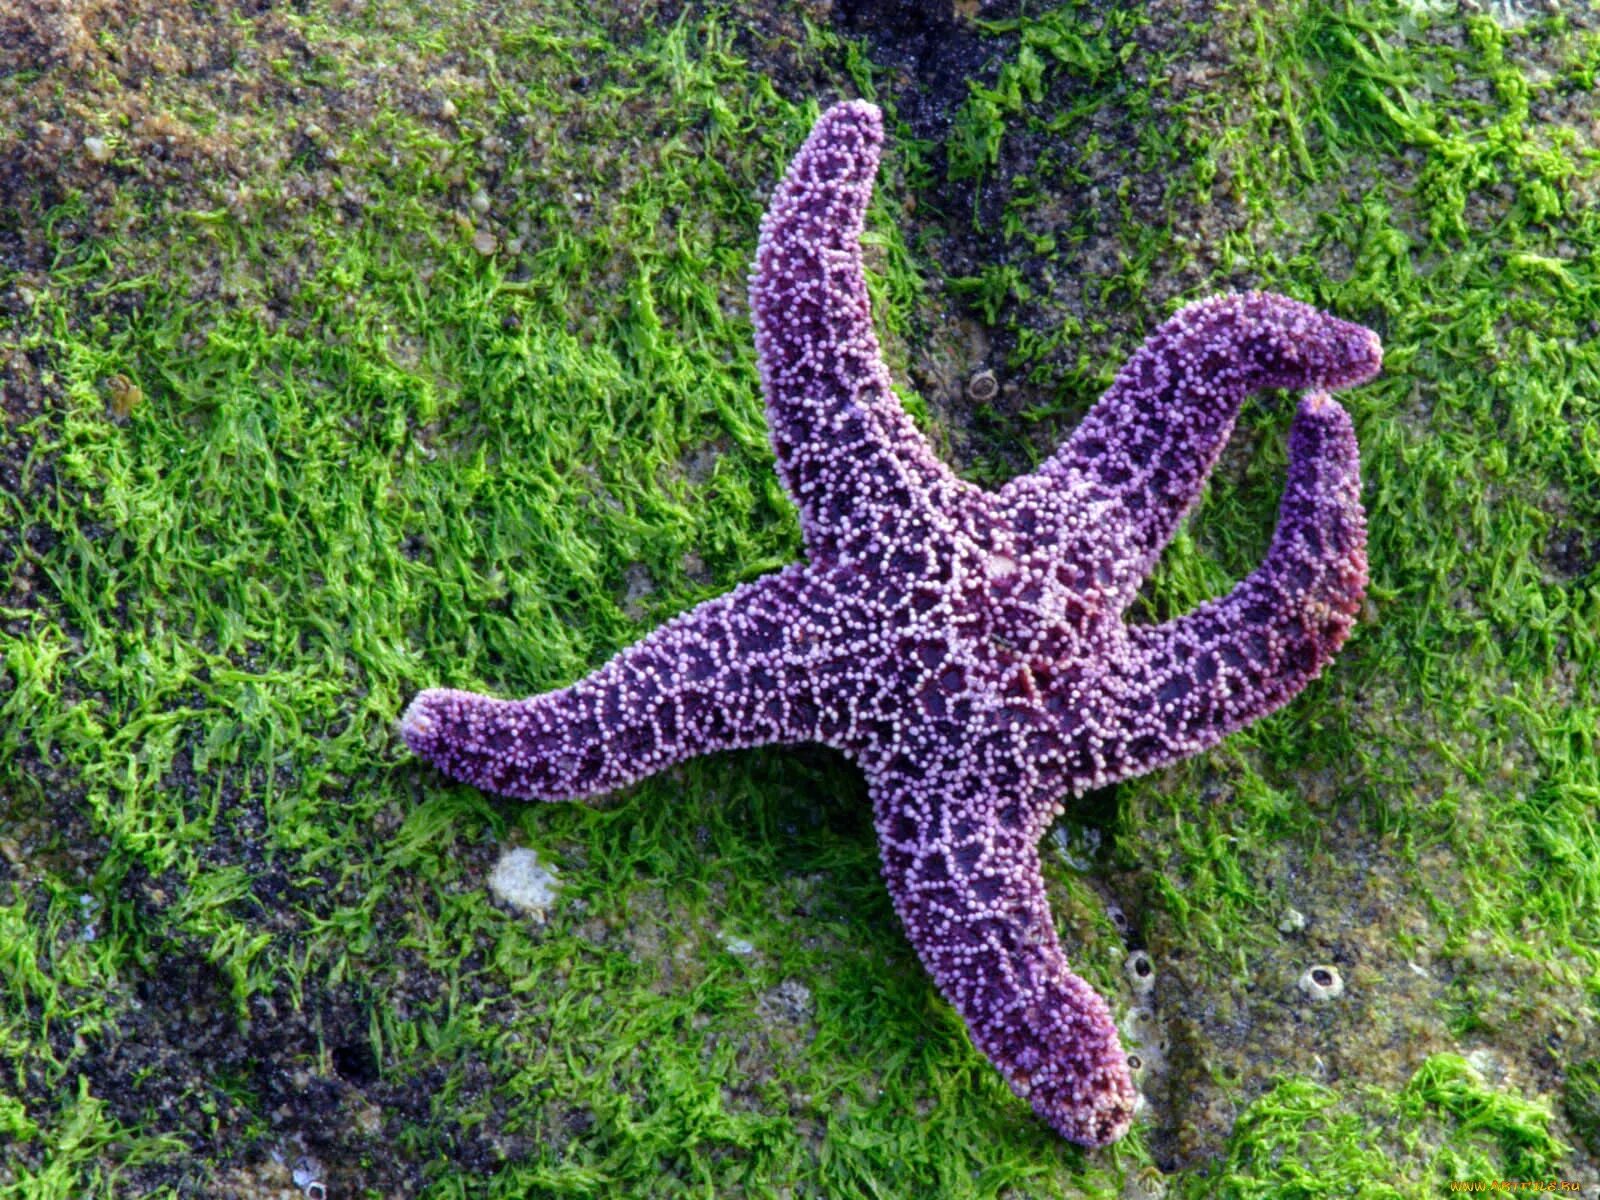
{"x": 968, "y": 649}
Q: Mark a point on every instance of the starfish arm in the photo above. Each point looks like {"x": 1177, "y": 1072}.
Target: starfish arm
{"x": 969, "y": 893}
{"x": 1138, "y": 462}
{"x": 1184, "y": 685}
{"x": 843, "y": 443}
{"x": 724, "y": 675}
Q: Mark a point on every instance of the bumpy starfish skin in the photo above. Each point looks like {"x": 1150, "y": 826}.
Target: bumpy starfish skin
{"x": 967, "y": 649}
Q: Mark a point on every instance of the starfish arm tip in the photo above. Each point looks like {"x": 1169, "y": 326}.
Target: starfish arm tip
{"x": 1182, "y": 686}
{"x": 973, "y": 905}
{"x": 1147, "y": 447}
{"x": 717, "y": 677}
{"x": 861, "y": 117}
{"x": 1063, "y": 1055}
{"x": 417, "y": 726}
{"x": 1100, "y": 1116}
{"x": 842, "y": 441}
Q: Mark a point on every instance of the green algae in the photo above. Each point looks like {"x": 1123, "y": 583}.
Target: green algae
{"x": 1580, "y": 1100}
{"x": 1298, "y": 1140}
{"x": 388, "y": 436}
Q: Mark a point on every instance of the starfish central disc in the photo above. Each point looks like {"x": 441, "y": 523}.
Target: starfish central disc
{"x": 968, "y": 649}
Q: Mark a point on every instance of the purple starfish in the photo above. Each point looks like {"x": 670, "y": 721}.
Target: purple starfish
{"x": 968, "y": 649}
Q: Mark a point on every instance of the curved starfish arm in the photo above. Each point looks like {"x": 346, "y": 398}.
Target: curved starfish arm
{"x": 968, "y": 890}
{"x": 724, "y": 675}
{"x": 843, "y": 443}
{"x": 1140, "y": 458}
{"x": 1186, "y": 684}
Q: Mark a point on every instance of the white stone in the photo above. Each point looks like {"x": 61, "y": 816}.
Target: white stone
{"x": 522, "y": 881}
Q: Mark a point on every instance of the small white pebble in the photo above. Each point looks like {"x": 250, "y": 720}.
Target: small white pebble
{"x": 522, "y": 881}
